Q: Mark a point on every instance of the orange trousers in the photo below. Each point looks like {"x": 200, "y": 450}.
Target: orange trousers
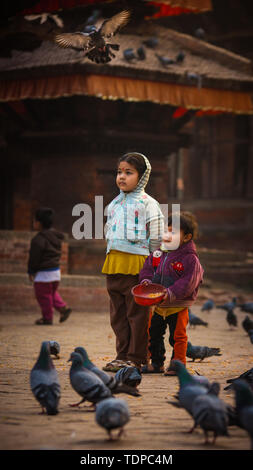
{"x": 177, "y": 323}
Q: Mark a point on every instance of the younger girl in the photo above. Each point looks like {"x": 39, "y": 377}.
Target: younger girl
{"x": 181, "y": 273}
{"x": 134, "y": 229}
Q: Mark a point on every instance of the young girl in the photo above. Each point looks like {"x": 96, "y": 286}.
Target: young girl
{"x": 44, "y": 267}
{"x": 181, "y": 273}
{"x": 134, "y": 229}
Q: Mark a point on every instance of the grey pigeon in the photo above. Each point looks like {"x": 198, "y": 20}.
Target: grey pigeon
{"x": 228, "y": 305}
{"x": 165, "y": 60}
{"x": 201, "y": 352}
{"x": 210, "y": 413}
{"x": 93, "y": 43}
{"x": 199, "y": 33}
{"x": 87, "y": 384}
{"x": 180, "y": 57}
{"x": 129, "y": 375}
{"x": 246, "y": 307}
{"x": 151, "y": 42}
{"x": 202, "y": 380}
{"x": 189, "y": 387}
{"x": 54, "y": 349}
{"x": 129, "y": 54}
{"x": 194, "y": 320}
{"x": 116, "y": 386}
{"x": 244, "y": 406}
{"x": 112, "y": 413}
{"x": 141, "y": 53}
{"x": 247, "y": 324}
{"x": 247, "y": 376}
{"x": 207, "y": 306}
{"x": 250, "y": 333}
{"x": 44, "y": 381}
{"x": 231, "y": 318}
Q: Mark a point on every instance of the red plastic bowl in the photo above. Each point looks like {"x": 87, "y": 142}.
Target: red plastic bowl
{"x": 141, "y": 294}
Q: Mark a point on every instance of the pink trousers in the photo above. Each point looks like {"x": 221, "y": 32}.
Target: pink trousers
{"x": 48, "y": 298}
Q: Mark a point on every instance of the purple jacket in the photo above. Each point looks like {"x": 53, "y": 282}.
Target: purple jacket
{"x": 180, "y": 271}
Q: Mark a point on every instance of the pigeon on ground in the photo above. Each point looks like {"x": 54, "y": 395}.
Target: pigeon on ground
{"x": 247, "y": 307}
{"x": 247, "y": 324}
{"x": 44, "y": 381}
{"x": 189, "y": 387}
{"x": 165, "y": 60}
{"x": 210, "y": 413}
{"x": 228, "y": 305}
{"x": 208, "y": 306}
{"x": 112, "y": 413}
{"x": 202, "y": 380}
{"x": 250, "y": 333}
{"x": 201, "y": 352}
{"x": 244, "y": 406}
{"x": 87, "y": 384}
{"x": 93, "y": 43}
{"x": 247, "y": 376}
{"x": 129, "y": 376}
{"x": 194, "y": 320}
{"x": 54, "y": 349}
{"x": 151, "y": 42}
{"x": 116, "y": 386}
{"x": 231, "y": 318}
{"x": 129, "y": 54}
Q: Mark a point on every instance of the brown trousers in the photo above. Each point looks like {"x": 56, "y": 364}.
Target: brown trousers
{"x": 129, "y": 320}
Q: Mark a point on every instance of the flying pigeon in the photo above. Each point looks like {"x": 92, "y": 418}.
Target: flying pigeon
{"x": 165, "y": 60}
{"x": 189, "y": 387}
{"x": 247, "y": 324}
{"x": 201, "y": 352}
{"x": 231, "y": 318}
{"x": 93, "y": 43}
{"x": 194, "y": 320}
{"x": 247, "y": 376}
{"x": 210, "y": 413}
{"x": 54, "y": 349}
{"x": 228, "y": 306}
{"x": 247, "y": 307}
{"x": 87, "y": 384}
{"x": 151, "y": 42}
{"x": 129, "y": 376}
{"x": 208, "y": 306}
{"x": 244, "y": 406}
{"x": 116, "y": 386}
{"x": 44, "y": 381}
{"x": 112, "y": 413}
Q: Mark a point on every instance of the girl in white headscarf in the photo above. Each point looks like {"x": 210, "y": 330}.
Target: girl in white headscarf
{"x": 134, "y": 229}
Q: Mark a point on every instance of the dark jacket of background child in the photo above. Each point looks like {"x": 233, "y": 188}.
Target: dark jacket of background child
{"x": 45, "y": 250}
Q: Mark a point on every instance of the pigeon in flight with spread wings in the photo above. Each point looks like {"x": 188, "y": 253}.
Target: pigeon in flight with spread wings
{"x": 93, "y": 43}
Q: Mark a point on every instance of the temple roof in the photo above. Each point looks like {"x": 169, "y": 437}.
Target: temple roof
{"x": 205, "y": 70}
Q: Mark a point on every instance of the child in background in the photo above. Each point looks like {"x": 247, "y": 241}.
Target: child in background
{"x": 44, "y": 267}
{"x": 134, "y": 229}
{"x": 181, "y": 273}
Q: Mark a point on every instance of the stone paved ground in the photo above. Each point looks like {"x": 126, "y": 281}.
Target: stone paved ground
{"x": 154, "y": 423}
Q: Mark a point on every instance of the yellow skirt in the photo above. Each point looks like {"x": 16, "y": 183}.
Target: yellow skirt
{"x": 118, "y": 262}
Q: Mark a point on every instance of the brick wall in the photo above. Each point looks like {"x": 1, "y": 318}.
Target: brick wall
{"x": 14, "y": 250}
